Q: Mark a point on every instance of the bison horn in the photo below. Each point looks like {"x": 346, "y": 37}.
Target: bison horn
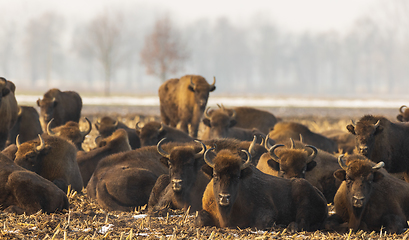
{"x": 292, "y": 143}
{"x": 272, "y": 154}
{"x": 313, "y": 154}
{"x": 401, "y": 108}
{"x": 160, "y": 150}
{"x": 223, "y": 108}
{"x": 301, "y": 138}
{"x": 116, "y": 123}
{"x": 378, "y": 166}
{"x": 267, "y": 144}
{"x": 251, "y": 147}
{"x": 377, "y": 124}
{"x": 42, "y": 144}
{"x": 353, "y": 123}
{"x": 233, "y": 115}
{"x": 200, "y": 154}
{"x": 207, "y": 159}
{"x": 85, "y": 133}
{"x": 191, "y": 83}
{"x": 20, "y": 111}
{"x": 206, "y": 113}
{"x": 219, "y": 105}
{"x": 49, "y": 131}
{"x": 214, "y": 81}
{"x": 18, "y": 141}
{"x": 248, "y": 160}
{"x": 161, "y": 128}
{"x": 341, "y": 162}
{"x": 137, "y": 126}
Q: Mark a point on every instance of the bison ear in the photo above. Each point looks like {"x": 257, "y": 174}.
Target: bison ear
{"x": 212, "y": 88}
{"x": 340, "y": 174}
{"x": 206, "y": 122}
{"x": 164, "y": 161}
{"x": 245, "y": 173}
{"x": 38, "y": 102}
{"x": 377, "y": 176}
{"x": 191, "y": 88}
{"x": 207, "y": 170}
{"x": 5, "y": 91}
{"x": 400, "y": 118}
{"x": 274, "y": 165}
{"x": 311, "y": 165}
{"x": 96, "y": 126}
{"x": 233, "y": 122}
{"x": 351, "y": 129}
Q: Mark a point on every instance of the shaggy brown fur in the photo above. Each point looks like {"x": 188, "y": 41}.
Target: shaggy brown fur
{"x": 8, "y": 110}
{"x": 369, "y": 199}
{"x": 182, "y": 104}
{"x": 71, "y": 131}
{"x": 247, "y": 197}
{"x": 61, "y": 106}
{"x": 27, "y": 126}
{"x": 152, "y": 132}
{"x": 107, "y": 125}
{"x": 344, "y": 140}
{"x": 55, "y": 162}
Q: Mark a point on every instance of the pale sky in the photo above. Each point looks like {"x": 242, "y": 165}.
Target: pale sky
{"x": 293, "y": 15}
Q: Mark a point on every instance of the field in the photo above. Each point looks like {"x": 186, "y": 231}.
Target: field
{"x": 86, "y": 220}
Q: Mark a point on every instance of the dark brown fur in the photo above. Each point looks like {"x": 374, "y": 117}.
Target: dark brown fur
{"x": 388, "y": 142}
{"x": 182, "y": 105}
{"x": 61, "y": 106}
{"x": 8, "y": 110}
{"x": 87, "y": 161}
{"x": 56, "y": 162}
{"x": 283, "y": 131}
{"x": 344, "y": 140}
{"x": 384, "y": 204}
{"x": 257, "y": 199}
{"x": 108, "y": 125}
{"x": 23, "y": 191}
{"x": 71, "y": 131}
{"x": 152, "y": 132}
{"x": 27, "y": 126}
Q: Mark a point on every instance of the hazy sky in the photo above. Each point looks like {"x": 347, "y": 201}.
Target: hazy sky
{"x": 295, "y": 15}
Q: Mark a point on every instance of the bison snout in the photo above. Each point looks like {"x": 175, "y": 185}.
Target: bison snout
{"x": 363, "y": 150}
{"x": 358, "y": 201}
{"x": 224, "y": 199}
{"x": 202, "y": 103}
{"x": 177, "y": 185}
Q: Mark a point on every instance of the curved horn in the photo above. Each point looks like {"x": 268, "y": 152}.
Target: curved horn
{"x": 137, "y": 126}
{"x": 378, "y": 166}
{"x": 353, "y": 123}
{"x": 223, "y": 108}
{"x": 248, "y": 160}
{"x": 18, "y": 141}
{"x": 292, "y": 143}
{"x": 42, "y": 144}
{"x": 267, "y": 144}
{"x": 116, "y": 123}
{"x": 214, "y": 81}
{"x": 85, "y": 133}
{"x": 233, "y": 115}
{"x": 219, "y": 105}
{"x": 206, "y": 113}
{"x": 377, "y": 124}
{"x": 401, "y": 108}
{"x": 341, "y": 162}
{"x": 313, "y": 154}
{"x": 191, "y": 82}
{"x": 301, "y": 138}
{"x": 207, "y": 159}
{"x": 160, "y": 150}
{"x": 20, "y": 111}
{"x": 161, "y": 127}
{"x": 272, "y": 154}
{"x": 49, "y": 131}
{"x": 252, "y": 144}
{"x": 200, "y": 154}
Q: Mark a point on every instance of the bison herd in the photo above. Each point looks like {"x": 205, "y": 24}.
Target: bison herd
{"x": 247, "y": 168}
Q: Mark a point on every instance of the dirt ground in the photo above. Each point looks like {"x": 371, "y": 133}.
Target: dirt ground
{"x": 86, "y": 220}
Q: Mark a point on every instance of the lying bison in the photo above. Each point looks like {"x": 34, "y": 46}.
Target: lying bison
{"x": 369, "y": 198}
{"x": 53, "y": 158}
{"x": 379, "y": 139}
{"x": 63, "y": 106}
{"x": 152, "y": 132}
{"x": 70, "y": 131}
{"x": 27, "y": 126}
{"x": 8, "y": 110}
{"x": 182, "y": 102}
{"x": 239, "y": 195}
{"x": 107, "y": 125}
{"x": 23, "y": 191}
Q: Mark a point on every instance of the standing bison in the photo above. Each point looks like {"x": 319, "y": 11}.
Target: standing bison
{"x": 28, "y": 125}
{"x": 183, "y": 101}
{"x": 8, "y": 110}
{"x": 62, "y": 106}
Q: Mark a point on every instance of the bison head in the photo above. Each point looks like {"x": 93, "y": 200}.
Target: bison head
{"x": 184, "y": 163}
{"x": 29, "y": 153}
{"x": 106, "y": 126}
{"x": 4, "y": 90}
{"x": 404, "y": 114}
{"x": 219, "y": 122}
{"x": 151, "y": 133}
{"x": 292, "y": 162}
{"x": 366, "y": 131}
{"x": 70, "y": 131}
{"x": 358, "y": 173}
{"x": 201, "y": 90}
{"x": 227, "y": 170}
{"x": 47, "y": 106}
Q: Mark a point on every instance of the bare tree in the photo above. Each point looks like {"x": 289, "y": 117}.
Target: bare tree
{"x": 103, "y": 38}
{"x": 163, "y": 52}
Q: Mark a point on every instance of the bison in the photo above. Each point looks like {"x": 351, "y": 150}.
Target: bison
{"x": 152, "y": 132}
{"x": 369, "y": 198}
{"x": 87, "y": 161}
{"x": 108, "y": 125}
{"x": 240, "y": 195}
{"x": 221, "y": 125}
{"x": 71, "y": 132}
{"x": 28, "y": 125}
{"x": 302, "y": 161}
{"x": 23, "y": 191}
{"x": 53, "y": 158}
{"x": 182, "y": 102}
{"x": 345, "y": 140}
{"x": 283, "y": 131}
{"x": 403, "y": 115}
{"x": 379, "y": 139}
{"x": 8, "y": 110}
{"x": 62, "y": 106}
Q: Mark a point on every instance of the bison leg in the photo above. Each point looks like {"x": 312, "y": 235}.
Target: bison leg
{"x": 204, "y": 218}
{"x": 157, "y": 191}
{"x": 183, "y": 126}
{"x": 394, "y": 223}
{"x": 335, "y": 223}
